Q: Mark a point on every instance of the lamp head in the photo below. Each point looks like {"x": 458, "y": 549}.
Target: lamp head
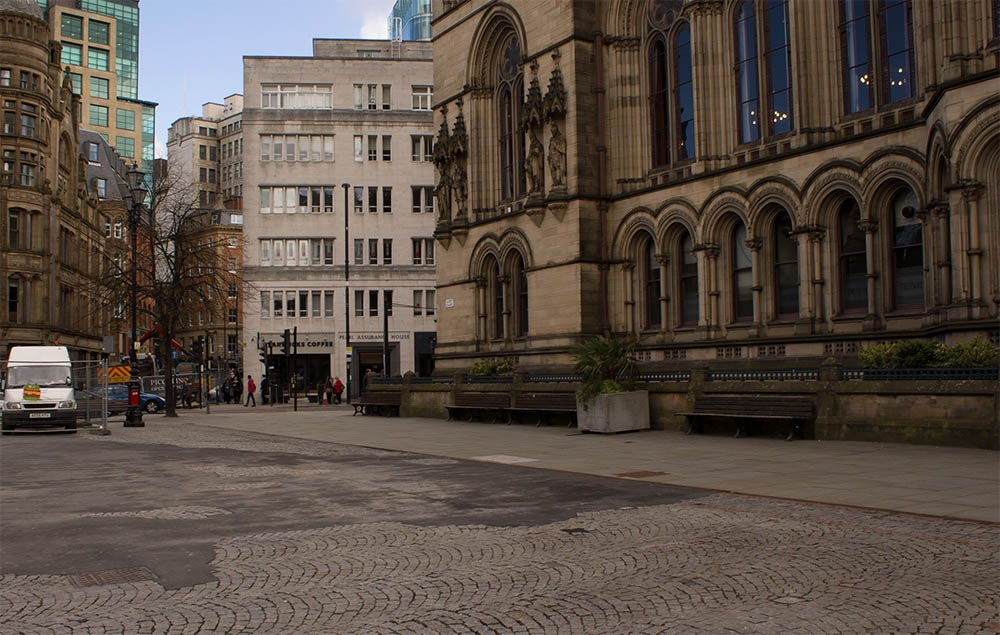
{"x": 135, "y": 185}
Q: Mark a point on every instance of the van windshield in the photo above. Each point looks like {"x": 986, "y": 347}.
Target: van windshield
{"x": 42, "y": 376}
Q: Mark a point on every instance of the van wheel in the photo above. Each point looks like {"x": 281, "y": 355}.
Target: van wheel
{"x": 152, "y": 407}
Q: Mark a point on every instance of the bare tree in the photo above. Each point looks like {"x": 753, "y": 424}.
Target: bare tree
{"x": 181, "y": 270}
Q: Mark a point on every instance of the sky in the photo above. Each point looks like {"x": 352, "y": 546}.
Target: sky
{"x": 191, "y": 51}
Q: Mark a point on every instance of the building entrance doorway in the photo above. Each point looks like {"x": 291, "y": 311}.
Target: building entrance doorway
{"x": 313, "y": 369}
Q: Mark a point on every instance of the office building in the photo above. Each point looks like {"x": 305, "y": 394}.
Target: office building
{"x": 410, "y": 20}
{"x": 357, "y": 112}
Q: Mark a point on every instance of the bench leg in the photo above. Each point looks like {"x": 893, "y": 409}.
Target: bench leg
{"x": 740, "y": 430}
{"x": 692, "y": 426}
{"x": 572, "y": 421}
{"x": 793, "y": 432}
{"x": 450, "y": 414}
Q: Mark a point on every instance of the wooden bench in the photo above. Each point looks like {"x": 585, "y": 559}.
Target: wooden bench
{"x": 792, "y": 411}
{"x": 378, "y": 403}
{"x": 472, "y": 403}
{"x": 543, "y": 404}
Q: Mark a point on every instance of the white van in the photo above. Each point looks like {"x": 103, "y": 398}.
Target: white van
{"x": 38, "y": 389}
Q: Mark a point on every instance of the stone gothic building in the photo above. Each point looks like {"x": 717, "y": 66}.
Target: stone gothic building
{"x": 725, "y": 179}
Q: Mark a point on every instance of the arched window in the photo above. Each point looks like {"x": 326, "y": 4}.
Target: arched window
{"x": 777, "y": 75}
{"x": 786, "y": 267}
{"x": 742, "y": 265}
{"x": 907, "y": 252}
{"x": 684, "y": 93}
{"x": 651, "y": 284}
{"x": 853, "y": 269}
{"x": 896, "y": 39}
{"x": 671, "y": 94}
{"x": 688, "y": 272}
{"x": 855, "y": 33}
{"x": 658, "y": 102}
{"x": 511, "y": 95}
{"x": 520, "y": 280}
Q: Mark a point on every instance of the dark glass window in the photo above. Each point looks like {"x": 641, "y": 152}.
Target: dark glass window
{"x": 786, "y": 267}
{"x": 856, "y": 55}
{"x": 496, "y": 297}
{"x": 688, "y": 281}
{"x": 511, "y": 139}
{"x": 652, "y": 284}
{"x": 658, "y": 102}
{"x": 742, "y": 275}
{"x": 746, "y": 73}
{"x": 907, "y": 252}
{"x": 684, "y": 93}
{"x": 853, "y": 269}
{"x": 897, "y": 50}
{"x": 779, "y": 66}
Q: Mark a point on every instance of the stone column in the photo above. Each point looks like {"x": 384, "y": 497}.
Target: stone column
{"x": 755, "y": 244}
{"x": 664, "y": 260}
{"x": 482, "y": 312}
{"x": 505, "y": 281}
{"x": 972, "y": 192}
{"x": 628, "y": 275}
{"x": 869, "y": 227}
{"x": 712, "y": 253}
{"x": 816, "y": 236}
{"x": 941, "y": 212}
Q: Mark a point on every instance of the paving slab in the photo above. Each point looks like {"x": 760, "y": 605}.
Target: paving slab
{"x": 911, "y": 478}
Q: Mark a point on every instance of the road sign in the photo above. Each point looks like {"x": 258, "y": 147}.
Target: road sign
{"x": 119, "y": 374}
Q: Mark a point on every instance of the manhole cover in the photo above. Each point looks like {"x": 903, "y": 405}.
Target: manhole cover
{"x": 640, "y": 474}
{"x": 112, "y": 576}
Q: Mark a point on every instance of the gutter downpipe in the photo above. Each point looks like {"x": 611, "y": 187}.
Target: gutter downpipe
{"x": 602, "y": 164}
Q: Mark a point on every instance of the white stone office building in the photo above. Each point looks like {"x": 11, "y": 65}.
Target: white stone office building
{"x": 356, "y": 113}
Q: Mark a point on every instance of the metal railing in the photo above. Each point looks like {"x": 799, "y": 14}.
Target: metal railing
{"x": 790, "y": 374}
{"x": 911, "y": 374}
{"x": 665, "y": 375}
{"x": 553, "y": 377}
{"x": 489, "y": 379}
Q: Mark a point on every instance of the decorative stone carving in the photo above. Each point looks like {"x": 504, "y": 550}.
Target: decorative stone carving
{"x": 555, "y": 97}
{"x": 441, "y": 158}
{"x": 816, "y": 233}
{"x": 972, "y": 190}
{"x": 557, "y": 158}
{"x": 459, "y": 178}
{"x": 868, "y": 225}
{"x": 754, "y": 244}
{"x": 533, "y": 113}
{"x": 534, "y": 166}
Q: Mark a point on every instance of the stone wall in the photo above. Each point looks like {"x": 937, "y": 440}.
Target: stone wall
{"x": 930, "y": 412}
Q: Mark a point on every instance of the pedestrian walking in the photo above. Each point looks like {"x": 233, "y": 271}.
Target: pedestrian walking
{"x": 227, "y": 390}
{"x": 236, "y": 389}
{"x": 338, "y": 390}
{"x": 251, "y": 388}
{"x": 328, "y": 390}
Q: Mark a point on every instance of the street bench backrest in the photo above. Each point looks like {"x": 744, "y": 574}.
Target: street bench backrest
{"x": 759, "y": 406}
{"x": 547, "y": 400}
{"x": 482, "y": 400}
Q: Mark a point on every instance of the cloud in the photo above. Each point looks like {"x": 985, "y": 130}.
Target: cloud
{"x": 374, "y": 23}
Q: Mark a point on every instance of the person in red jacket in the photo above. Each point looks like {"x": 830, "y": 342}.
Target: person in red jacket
{"x": 251, "y": 388}
{"x": 338, "y": 390}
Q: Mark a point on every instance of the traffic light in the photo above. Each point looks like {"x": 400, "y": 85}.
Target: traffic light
{"x": 196, "y": 349}
{"x": 286, "y": 342}
{"x": 263, "y": 357}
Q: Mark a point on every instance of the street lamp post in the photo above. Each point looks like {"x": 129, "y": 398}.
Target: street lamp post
{"x": 347, "y": 287}
{"x": 133, "y": 416}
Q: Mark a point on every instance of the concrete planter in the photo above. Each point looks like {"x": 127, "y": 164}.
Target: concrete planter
{"x": 615, "y": 412}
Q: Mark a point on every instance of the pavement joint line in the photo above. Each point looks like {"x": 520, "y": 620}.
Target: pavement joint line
{"x": 865, "y": 508}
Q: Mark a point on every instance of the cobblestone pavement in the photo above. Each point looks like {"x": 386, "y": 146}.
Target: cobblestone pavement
{"x": 422, "y": 549}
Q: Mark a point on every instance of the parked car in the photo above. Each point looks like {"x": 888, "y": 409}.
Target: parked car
{"x": 149, "y": 402}
{"x": 90, "y": 402}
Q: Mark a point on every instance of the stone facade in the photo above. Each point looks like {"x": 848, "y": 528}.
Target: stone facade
{"x": 341, "y": 137}
{"x": 53, "y": 226}
{"x": 607, "y": 170}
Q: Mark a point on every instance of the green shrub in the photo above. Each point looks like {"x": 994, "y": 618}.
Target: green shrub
{"x": 977, "y": 353}
{"x": 492, "y": 367}
{"x": 605, "y": 365}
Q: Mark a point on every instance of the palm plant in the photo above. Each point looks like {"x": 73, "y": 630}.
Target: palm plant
{"x": 605, "y": 365}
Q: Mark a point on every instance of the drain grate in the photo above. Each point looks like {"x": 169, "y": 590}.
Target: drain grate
{"x": 640, "y": 474}
{"x": 112, "y": 576}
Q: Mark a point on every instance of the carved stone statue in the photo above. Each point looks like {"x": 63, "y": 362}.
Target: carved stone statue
{"x": 443, "y": 193}
{"x": 534, "y": 167}
{"x": 459, "y": 185}
{"x": 557, "y": 157}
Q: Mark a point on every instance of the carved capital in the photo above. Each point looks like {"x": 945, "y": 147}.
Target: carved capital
{"x": 817, "y": 233}
{"x": 628, "y": 265}
{"x": 663, "y": 259}
{"x": 868, "y": 225}
{"x": 481, "y": 282}
{"x": 712, "y": 250}
{"x": 754, "y": 244}
{"x": 972, "y": 190}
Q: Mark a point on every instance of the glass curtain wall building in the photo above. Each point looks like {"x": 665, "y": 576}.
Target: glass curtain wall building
{"x": 410, "y": 20}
